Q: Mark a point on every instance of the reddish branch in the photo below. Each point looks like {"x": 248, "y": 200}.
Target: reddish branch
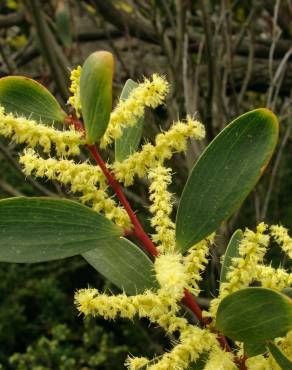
{"x": 138, "y": 229}
{"x": 139, "y": 233}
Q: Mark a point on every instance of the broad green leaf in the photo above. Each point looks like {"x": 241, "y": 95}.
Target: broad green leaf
{"x": 131, "y": 137}
{"x": 96, "y": 93}
{"x": 254, "y": 348}
{"x": 231, "y": 252}
{"x": 124, "y": 264}
{"x": 256, "y": 314}
{"x": 63, "y": 23}
{"x": 44, "y": 229}
{"x": 225, "y": 174}
{"x": 280, "y": 358}
{"x": 26, "y": 97}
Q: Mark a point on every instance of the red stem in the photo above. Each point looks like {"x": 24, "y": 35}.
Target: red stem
{"x": 189, "y": 301}
{"x": 138, "y": 229}
{"x": 139, "y": 232}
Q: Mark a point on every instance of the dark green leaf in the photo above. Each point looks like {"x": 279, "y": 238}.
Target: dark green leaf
{"x": 124, "y": 264}
{"x": 254, "y": 348}
{"x": 96, "y": 93}
{"x": 254, "y": 314}
{"x": 43, "y": 229}
{"x": 129, "y": 141}
{"x": 280, "y": 358}
{"x": 231, "y": 252}
{"x": 26, "y": 97}
{"x": 225, "y": 174}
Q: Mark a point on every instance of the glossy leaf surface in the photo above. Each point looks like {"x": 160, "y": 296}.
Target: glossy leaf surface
{"x": 96, "y": 93}
{"x": 225, "y": 174}
{"x": 231, "y": 252}
{"x": 254, "y": 348}
{"x": 26, "y": 97}
{"x": 124, "y": 264}
{"x": 256, "y": 314}
{"x": 44, "y": 229}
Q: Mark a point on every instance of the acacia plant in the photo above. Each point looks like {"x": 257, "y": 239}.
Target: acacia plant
{"x": 249, "y": 323}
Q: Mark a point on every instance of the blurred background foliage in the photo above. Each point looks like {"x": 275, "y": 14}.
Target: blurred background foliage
{"x": 222, "y": 58}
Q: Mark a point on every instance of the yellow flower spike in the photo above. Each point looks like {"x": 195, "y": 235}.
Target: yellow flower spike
{"x": 171, "y": 275}
{"x": 195, "y": 262}
{"x": 85, "y": 300}
{"x": 192, "y": 343}
{"x": 83, "y": 178}
{"x": 252, "y": 249}
{"x": 220, "y": 360}
{"x": 120, "y": 305}
{"x": 146, "y": 94}
{"x": 23, "y": 130}
{"x": 269, "y": 277}
{"x": 74, "y": 88}
{"x": 158, "y": 308}
{"x": 286, "y": 344}
{"x": 161, "y": 208}
{"x": 91, "y": 302}
{"x": 136, "y": 363}
{"x": 258, "y": 363}
{"x": 281, "y": 236}
{"x": 167, "y": 143}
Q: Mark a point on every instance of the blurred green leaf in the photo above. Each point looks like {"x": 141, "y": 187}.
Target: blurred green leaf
{"x": 254, "y": 314}
{"x": 96, "y": 93}
{"x": 44, "y": 229}
{"x": 124, "y": 264}
{"x": 131, "y": 137}
{"x": 225, "y": 174}
{"x": 280, "y": 358}
{"x": 231, "y": 252}
{"x": 26, "y": 97}
{"x": 288, "y": 292}
{"x": 63, "y": 23}
{"x": 254, "y": 348}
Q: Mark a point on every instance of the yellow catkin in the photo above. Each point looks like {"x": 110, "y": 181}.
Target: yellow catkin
{"x": 74, "y": 99}
{"x": 160, "y": 308}
{"x": 23, "y": 130}
{"x": 146, "y": 94}
{"x": 171, "y": 275}
{"x": 192, "y": 343}
{"x": 280, "y": 234}
{"x": 82, "y": 178}
{"x": 195, "y": 262}
{"x": 220, "y": 360}
{"x": 285, "y": 344}
{"x": 269, "y": 277}
{"x": 166, "y": 143}
{"x": 161, "y": 209}
{"x": 136, "y": 363}
{"x": 252, "y": 249}
{"x": 258, "y": 363}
